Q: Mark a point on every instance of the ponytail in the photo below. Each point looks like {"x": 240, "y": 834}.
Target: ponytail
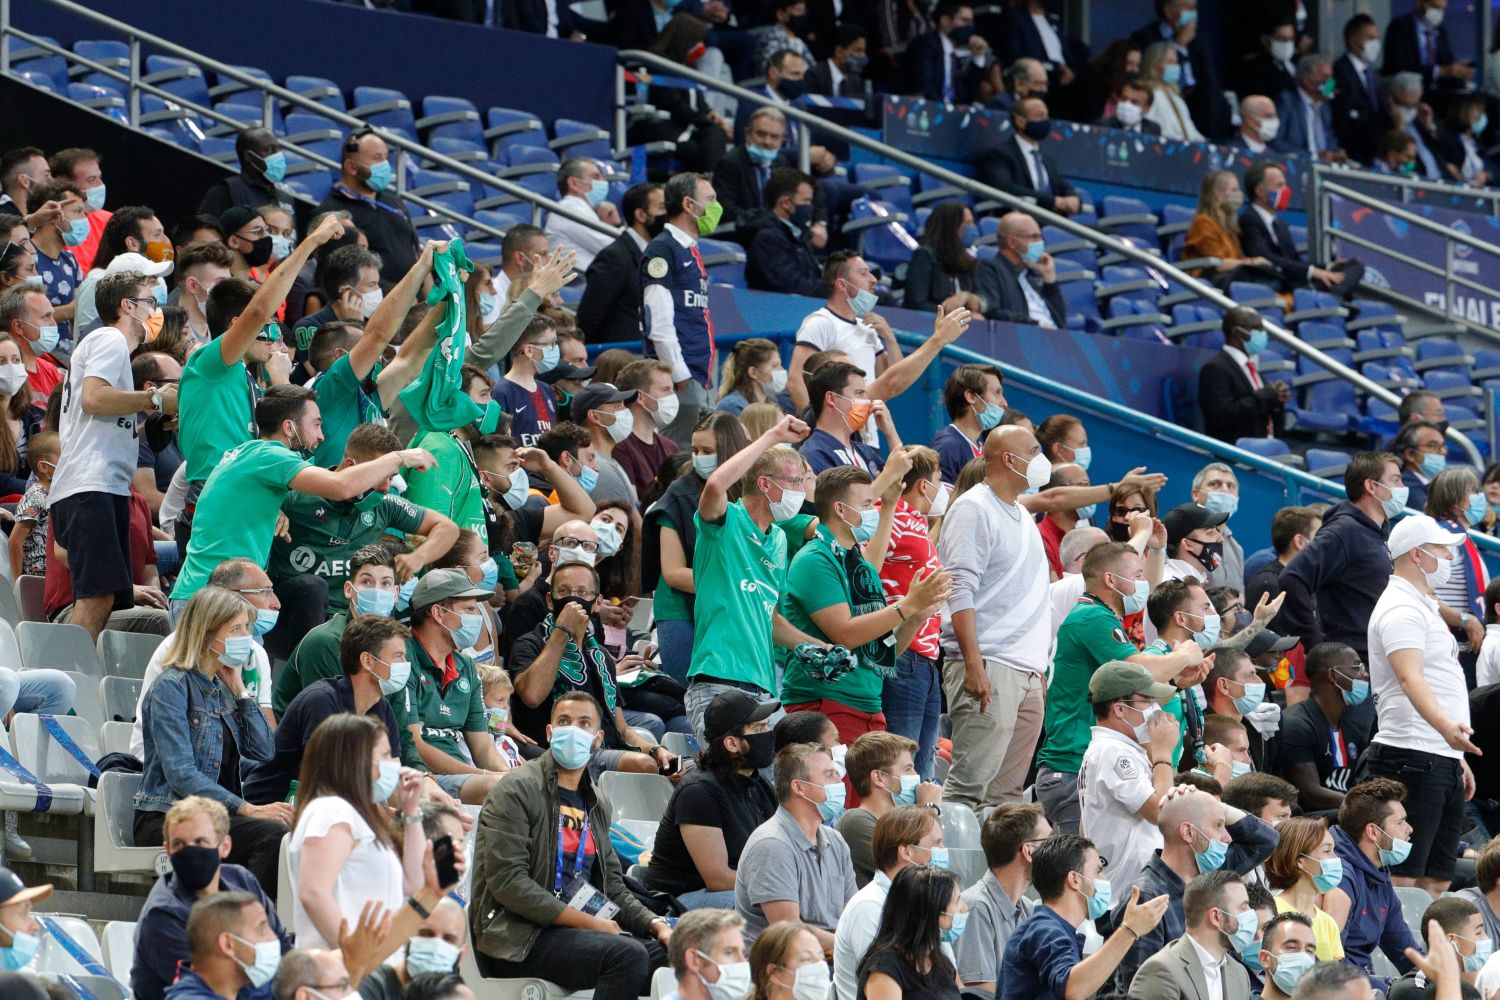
{"x": 742, "y": 357}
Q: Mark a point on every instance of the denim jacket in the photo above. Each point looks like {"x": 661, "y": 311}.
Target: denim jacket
{"x": 180, "y": 721}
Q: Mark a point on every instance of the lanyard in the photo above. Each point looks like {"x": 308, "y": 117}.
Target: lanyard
{"x": 578, "y": 858}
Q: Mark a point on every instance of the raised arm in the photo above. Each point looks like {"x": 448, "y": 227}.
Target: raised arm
{"x": 345, "y": 484}
{"x": 901, "y": 375}
{"x": 388, "y": 316}
{"x": 269, "y": 297}
{"x": 714, "y": 500}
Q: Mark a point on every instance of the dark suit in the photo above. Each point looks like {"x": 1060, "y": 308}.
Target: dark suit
{"x": 1020, "y": 39}
{"x": 1293, "y": 135}
{"x": 531, "y": 16}
{"x": 739, "y": 182}
{"x": 1205, "y": 98}
{"x": 777, "y": 261}
{"x": 820, "y": 81}
{"x": 1012, "y": 306}
{"x": 928, "y": 283}
{"x": 923, "y": 60}
{"x": 1146, "y": 126}
{"x": 1005, "y": 167}
{"x": 1406, "y": 49}
{"x": 1237, "y": 141}
{"x": 1176, "y": 973}
{"x": 1279, "y": 248}
{"x": 746, "y": 109}
{"x": 610, "y": 310}
{"x": 1356, "y": 109}
{"x": 1232, "y": 407}
{"x": 1265, "y": 76}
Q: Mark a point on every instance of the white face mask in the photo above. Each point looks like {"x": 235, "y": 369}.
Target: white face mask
{"x": 1433, "y": 16}
{"x": 371, "y": 299}
{"x": 1440, "y": 575}
{"x": 1038, "y": 470}
{"x": 1129, "y": 113}
{"x": 811, "y": 982}
{"x": 12, "y": 378}
{"x": 623, "y": 425}
{"x": 1369, "y": 52}
{"x": 665, "y": 412}
{"x": 1283, "y": 51}
{"x": 1269, "y": 129}
{"x": 939, "y": 503}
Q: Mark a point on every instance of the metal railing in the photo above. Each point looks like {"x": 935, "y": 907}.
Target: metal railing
{"x": 1482, "y": 200}
{"x": 807, "y": 121}
{"x": 270, "y": 93}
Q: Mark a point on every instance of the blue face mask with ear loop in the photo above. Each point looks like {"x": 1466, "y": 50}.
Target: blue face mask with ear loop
{"x": 869, "y": 520}
{"x": 598, "y": 191}
{"x": 1479, "y": 504}
{"x": 587, "y": 478}
{"x": 1135, "y": 601}
{"x": 1212, "y": 857}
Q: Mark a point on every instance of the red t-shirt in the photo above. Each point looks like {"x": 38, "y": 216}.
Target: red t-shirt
{"x": 43, "y": 381}
{"x": 58, "y": 591}
{"x": 1052, "y": 536}
{"x": 86, "y": 251}
{"x": 911, "y": 550}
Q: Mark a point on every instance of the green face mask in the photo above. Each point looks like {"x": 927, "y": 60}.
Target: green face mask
{"x": 490, "y": 419}
{"x": 1326, "y": 88}
{"x": 709, "y": 220}
{"x": 1408, "y": 168}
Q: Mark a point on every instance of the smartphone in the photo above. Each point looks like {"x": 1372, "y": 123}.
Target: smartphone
{"x": 673, "y": 767}
{"x": 442, "y": 858}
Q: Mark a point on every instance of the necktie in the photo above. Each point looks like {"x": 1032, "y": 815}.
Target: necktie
{"x": 1370, "y": 86}
{"x": 1256, "y": 383}
{"x": 950, "y": 81}
{"x": 1043, "y": 182}
{"x": 762, "y": 174}
{"x": 1431, "y": 47}
{"x": 713, "y": 351}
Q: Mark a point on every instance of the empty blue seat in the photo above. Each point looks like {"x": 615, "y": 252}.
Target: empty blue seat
{"x": 890, "y": 184}
{"x": 462, "y": 150}
{"x": 1326, "y": 463}
{"x": 225, "y": 85}
{"x": 178, "y": 77}
{"x": 1122, "y": 279}
{"x": 1322, "y": 335}
{"x": 106, "y": 52}
{"x": 1327, "y": 407}
{"x": 933, "y": 191}
{"x": 39, "y": 80}
{"x": 1264, "y": 447}
{"x": 27, "y": 59}
{"x": 176, "y": 122}
{"x": 506, "y": 128}
{"x": 316, "y": 88}
{"x": 1370, "y": 313}
{"x": 1448, "y": 384}
{"x": 383, "y": 107}
{"x": 443, "y": 189}
{"x": 219, "y": 148}
{"x": 724, "y": 261}
{"x": 245, "y": 115}
{"x": 1441, "y": 354}
{"x": 1308, "y": 304}
{"x": 1130, "y": 217}
{"x": 1064, "y": 246}
{"x": 101, "y": 99}
{"x": 525, "y": 156}
{"x": 572, "y": 138}
{"x": 451, "y": 117}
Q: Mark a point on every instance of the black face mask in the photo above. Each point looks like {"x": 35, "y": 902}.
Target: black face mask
{"x": 1118, "y": 532}
{"x": 960, "y": 36}
{"x": 557, "y": 606}
{"x": 762, "y": 750}
{"x": 655, "y": 225}
{"x": 1210, "y": 554}
{"x": 195, "y": 867}
{"x": 799, "y": 24}
{"x": 259, "y": 252}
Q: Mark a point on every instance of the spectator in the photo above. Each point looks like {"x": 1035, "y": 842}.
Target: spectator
{"x": 90, "y": 494}
{"x": 199, "y": 268}
{"x": 788, "y": 947}
{"x": 1455, "y": 500}
{"x": 610, "y": 310}
{"x": 1404, "y": 110}
{"x": 998, "y": 903}
{"x": 134, "y": 240}
{"x": 794, "y": 867}
{"x": 363, "y": 190}
{"x": 1356, "y": 99}
{"x": 842, "y": 74}
{"x": 51, "y": 240}
{"x": 1133, "y": 101}
{"x": 1264, "y": 234}
{"x": 1292, "y": 530}
{"x": 581, "y": 187}
{"x": 1195, "y": 524}
{"x": 911, "y": 954}
{"x": 1055, "y": 524}
{"x": 531, "y": 406}
{"x": 199, "y": 678}
{"x": 943, "y": 273}
{"x": 1396, "y": 154}
{"x": 1417, "y": 42}
{"x": 602, "y": 409}
{"x": 1260, "y": 125}
{"x": 1422, "y": 405}
{"x": 875, "y": 761}
{"x": 524, "y": 245}
{"x": 1287, "y": 952}
{"x": 653, "y": 408}
{"x": 1177, "y": 23}
{"x": 752, "y": 374}
{"x": 1271, "y": 71}
{"x": 1198, "y": 623}
{"x": 780, "y": 254}
{"x": 433, "y": 950}
{"x": 1162, "y": 69}
{"x": 1026, "y": 276}
{"x": 1216, "y": 488}
{"x": 948, "y": 63}
{"x": 1370, "y": 816}
{"x": 1215, "y": 232}
{"x": 351, "y": 279}
{"x": 1423, "y": 454}
{"x": 974, "y": 397}
{"x": 1461, "y": 927}
{"x": 30, "y": 319}
{"x": 1347, "y": 564}
{"x": 248, "y": 238}
{"x": 1461, "y": 145}
{"x": 17, "y": 260}
{"x": 196, "y": 839}
{"x": 1413, "y": 661}
{"x": 454, "y": 485}
{"x": 28, "y": 539}
{"x": 674, "y": 297}
{"x": 741, "y": 176}
{"x": 1234, "y": 691}
{"x": 1211, "y": 903}
{"x": 846, "y": 324}
{"x": 23, "y": 172}
{"x": 789, "y": 23}
{"x": 262, "y": 167}
{"x": 840, "y": 405}
{"x": 1324, "y": 734}
{"x": 1302, "y": 870}
{"x": 1020, "y": 166}
{"x": 545, "y": 822}
{"x": 1482, "y": 894}
{"x": 1044, "y": 957}
{"x": 221, "y": 928}
{"x": 1308, "y": 112}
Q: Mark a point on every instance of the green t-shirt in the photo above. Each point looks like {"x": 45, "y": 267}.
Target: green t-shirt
{"x": 738, "y": 571}
{"x": 450, "y": 487}
{"x": 236, "y": 515}
{"x": 822, "y": 575}
{"x": 221, "y": 403}
{"x": 1091, "y": 635}
{"x": 1174, "y": 708}
{"x": 316, "y": 657}
{"x": 795, "y": 528}
{"x": 344, "y": 405}
{"x": 446, "y": 713}
{"x": 327, "y": 533}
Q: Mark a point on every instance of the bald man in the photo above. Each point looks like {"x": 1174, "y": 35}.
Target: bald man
{"x": 1235, "y": 401}
{"x": 436, "y": 947}
{"x": 312, "y": 974}
{"x": 1259, "y": 124}
{"x": 1028, "y": 276}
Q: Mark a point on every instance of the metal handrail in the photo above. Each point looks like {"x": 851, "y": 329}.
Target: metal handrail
{"x": 404, "y": 146}
{"x": 1450, "y": 188}
{"x": 1200, "y": 288}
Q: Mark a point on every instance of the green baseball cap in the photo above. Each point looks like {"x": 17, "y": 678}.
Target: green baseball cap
{"x": 1118, "y": 679}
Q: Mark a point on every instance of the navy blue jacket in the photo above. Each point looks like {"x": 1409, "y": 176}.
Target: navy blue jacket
{"x": 1375, "y": 912}
{"x": 1332, "y": 585}
{"x": 781, "y": 262}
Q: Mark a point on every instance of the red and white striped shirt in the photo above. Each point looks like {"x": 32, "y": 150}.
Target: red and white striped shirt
{"x": 911, "y": 550}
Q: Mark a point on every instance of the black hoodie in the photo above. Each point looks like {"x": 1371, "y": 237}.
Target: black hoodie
{"x": 1331, "y": 586}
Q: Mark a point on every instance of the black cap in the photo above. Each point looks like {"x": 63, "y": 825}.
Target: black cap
{"x": 237, "y": 217}
{"x": 1186, "y": 518}
{"x": 13, "y": 890}
{"x": 732, "y": 709}
{"x": 595, "y": 395}
{"x": 1266, "y": 641}
{"x": 563, "y": 370}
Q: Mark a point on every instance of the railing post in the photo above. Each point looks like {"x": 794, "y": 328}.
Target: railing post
{"x": 1315, "y": 247}
{"x": 1448, "y": 302}
{"x": 4, "y": 36}
{"x": 619, "y": 106}
{"x": 400, "y": 169}
{"x": 266, "y": 109}
{"x": 804, "y": 153}
{"x": 135, "y": 81}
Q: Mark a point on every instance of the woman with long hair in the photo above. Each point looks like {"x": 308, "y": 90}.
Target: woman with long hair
{"x": 21, "y": 419}
{"x": 671, "y": 538}
{"x": 1215, "y": 231}
{"x": 757, "y": 418}
{"x": 480, "y": 300}
{"x": 617, "y": 525}
{"x": 1162, "y": 71}
{"x": 1460, "y": 142}
{"x": 345, "y": 849}
{"x": 753, "y": 373}
{"x": 923, "y": 912}
{"x": 609, "y": 364}
{"x": 1455, "y": 500}
{"x": 469, "y": 554}
{"x": 200, "y": 724}
{"x": 17, "y": 255}
{"x": 943, "y": 270}
{"x": 786, "y": 963}
{"x": 1120, "y": 62}
{"x": 1126, "y": 502}
{"x": 1305, "y": 871}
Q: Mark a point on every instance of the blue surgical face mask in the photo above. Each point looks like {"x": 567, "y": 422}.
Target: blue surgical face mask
{"x": 1257, "y": 341}
{"x": 588, "y": 478}
{"x": 159, "y": 293}
{"x": 430, "y": 954}
{"x": 265, "y": 621}
{"x": 1208, "y": 636}
{"x": 1100, "y": 900}
{"x": 274, "y": 166}
{"x": 237, "y": 649}
{"x": 1246, "y": 923}
{"x": 953, "y": 933}
{"x": 468, "y": 632}
{"x": 869, "y": 520}
{"x": 400, "y": 673}
{"x": 95, "y": 197}
{"x": 1087, "y": 513}
{"x": 907, "y": 796}
{"x": 1432, "y": 464}
{"x": 385, "y": 783}
{"x": 1330, "y": 873}
{"x": 1238, "y": 769}
{"x": 1035, "y": 251}
{"x": 77, "y": 232}
{"x": 488, "y": 303}
{"x": 939, "y": 858}
{"x": 1396, "y": 853}
{"x": 1082, "y": 456}
{"x": 571, "y": 747}
{"x": 373, "y": 601}
{"x": 832, "y": 806}
{"x": 762, "y": 156}
{"x": 1396, "y": 502}
{"x": 1290, "y": 968}
{"x": 1171, "y": 74}
{"x": 22, "y": 950}
{"x": 1482, "y": 950}
{"x": 551, "y": 355}
{"x": 1478, "y": 505}
{"x": 1358, "y": 692}
{"x": 705, "y": 465}
{"x": 281, "y": 247}
{"x": 262, "y": 969}
{"x": 1255, "y": 692}
{"x": 489, "y": 573}
{"x": 1211, "y": 858}
{"x": 598, "y": 191}
{"x": 862, "y": 301}
{"x": 1250, "y": 957}
{"x": 381, "y": 175}
{"x": 519, "y": 489}
{"x": 1222, "y": 502}
{"x": 1135, "y": 601}
{"x": 990, "y": 417}
{"x": 403, "y": 597}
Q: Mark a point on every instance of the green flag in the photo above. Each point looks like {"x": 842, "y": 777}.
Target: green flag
{"x": 436, "y": 398}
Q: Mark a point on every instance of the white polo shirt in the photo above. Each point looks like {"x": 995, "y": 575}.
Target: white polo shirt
{"x": 1113, "y": 783}
{"x": 1406, "y": 618}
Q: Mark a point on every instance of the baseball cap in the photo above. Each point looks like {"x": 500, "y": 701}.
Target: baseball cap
{"x": 1117, "y": 679}
{"x": 237, "y": 217}
{"x": 136, "y": 262}
{"x": 1185, "y": 518}
{"x": 445, "y": 585}
{"x": 1418, "y": 529}
{"x": 732, "y": 709}
{"x": 563, "y": 370}
{"x": 13, "y": 890}
{"x": 595, "y": 395}
{"x": 1266, "y": 641}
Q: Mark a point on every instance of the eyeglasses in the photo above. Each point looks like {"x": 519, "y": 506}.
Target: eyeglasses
{"x": 1127, "y": 511}
{"x": 576, "y": 543}
{"x": 147, "y": 299}
{"x": 564, "y": 593}
{"x": 260, "y": 591}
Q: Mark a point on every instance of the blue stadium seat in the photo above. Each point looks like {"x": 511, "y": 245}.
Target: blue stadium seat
{"x": 1486, "y": 364}
{"x": 1137, "y": 319}
{"x": 100, "y": 99}
{"x": 462, "y": 150}
{"x": 1325, "y": 463}
{"x": 507, "y": 128}
{"x": 315, "y": 134}
{"x": 879, "y": 234}
{"x": 1372, "y": 314}
{"x": 383, "y": 107}
{"x": 503, "y": 218}
{"x": 174, "y": 122}
{"x": 314, "y": 185}
{"x": 1323, "y": 307}
{"x": 933, "y": 191}
{"x": 1077, "y": 286}
{"x": 107, "y": 53}
{"x": 39, "y": 80}
{"x": 1124, "y": 279}
{"x": 891, "y": 185}
{"x": 450, "y": 117}
{"x": 220, "y": 149}
{"x": 1327, "y": 407}
{"x": 1375, "y": 344}
{"x": 25, "y": 58}
{"x": 1130, "y": 217}
{"x": 1189, "y": 320}
{"x": 447, "y": 190}
{"x": 316, "y": 88}
{"x": 246, "y": 116}
{"x": 1324, "y": 336}
{"x": 1441, "y": 354}
{"x": 225, "y": 85}
{"x": 179, "y": 77}
{"x": 1453, "y": 385}
{"x": 1264, "y": 447}
{"x": 1258, "y": 559}
{"x": 1176, "y": 220}
{"x": 572, "y": 138}
{"x": 1064, "y": 246}
{"x": 724, "y": 261}
{"x": 525, "y": 156}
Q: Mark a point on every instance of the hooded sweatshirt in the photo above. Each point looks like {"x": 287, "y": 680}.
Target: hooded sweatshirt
{"x": 1374, "y": 913}
{"x": 1331, "y": 586}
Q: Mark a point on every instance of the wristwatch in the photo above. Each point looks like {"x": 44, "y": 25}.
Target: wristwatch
{"x": 1463, "y": 619}
{"x": 156, "y": 400}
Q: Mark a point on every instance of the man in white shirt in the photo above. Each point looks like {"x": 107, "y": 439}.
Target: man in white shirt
{"x": 582, "y": 187}
{"x": 1127, "y": 768}
{"x": 1421, "y": 702}
{"x": 1195, "y": 545}
{"x": 1066, "y": 589}
{"x": 1197, "y": 966}
{"x": 522, "y": 248}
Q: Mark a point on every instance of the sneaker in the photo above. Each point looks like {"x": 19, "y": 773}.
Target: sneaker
{"x": 16, "y": 849}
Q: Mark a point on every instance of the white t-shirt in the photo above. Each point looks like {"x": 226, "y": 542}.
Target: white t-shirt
{"x": 372, "y": 871}
{"x": 1064, "y": 593}
{"x": 825, "y": 330}
{"x": 1488, "y": 669}
{"x": 585, "y": 242}
{"x": 98, "y": 453}
{"x": 259, "y": 685}
{"x": 1181, "y": 569}
{"x": 1114, "y": 781}
{"x": 1405, "y": 618}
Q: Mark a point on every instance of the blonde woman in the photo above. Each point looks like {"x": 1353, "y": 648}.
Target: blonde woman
{"x": 1160, "y": 67}
{"x": 757, "y": 418}
{"x": 1215, "y": 231}
{"x": 753, "y": 373}
{"x": 201, "y": 726}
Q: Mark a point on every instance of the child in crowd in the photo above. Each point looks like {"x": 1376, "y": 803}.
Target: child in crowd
{"x": 497, "y": 688}
{"x": 28, "y": 538}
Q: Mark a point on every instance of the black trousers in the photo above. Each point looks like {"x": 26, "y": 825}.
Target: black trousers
{"x": 616, "y": 966}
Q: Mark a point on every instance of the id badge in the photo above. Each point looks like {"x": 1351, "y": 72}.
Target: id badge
{"x": 584, "y": 897}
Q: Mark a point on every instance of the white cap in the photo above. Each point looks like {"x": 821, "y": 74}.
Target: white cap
{"x": 1419, "y": 529}
{"x": 136, "y": 262}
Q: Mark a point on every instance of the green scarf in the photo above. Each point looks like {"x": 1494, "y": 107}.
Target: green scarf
{"x": 436, "y": 399}
{"x": 572, "y": 672}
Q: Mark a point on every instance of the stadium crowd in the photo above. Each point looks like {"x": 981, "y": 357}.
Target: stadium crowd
{"x": 426, "y": 576}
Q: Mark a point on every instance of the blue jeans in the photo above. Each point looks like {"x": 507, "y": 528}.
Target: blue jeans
{"x": 913, "y": 703}
{"x": 167, "y": 563}
{"x": 45, "y": 692}
{"x": 707, "y": 899}
{"x": 676, "y": 653}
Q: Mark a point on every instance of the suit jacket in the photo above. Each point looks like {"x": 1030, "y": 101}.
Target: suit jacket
{"x": 1265, "y": 76}
{"x": 923, "y": 61}
{"x": 777, "y": 261}
{"x": 1205, "y": 99}
{"x": 1279, "y": 248}
{"x": 1019, "y": 38}
{"x": 1232, "y": 407}
{"x": 1176, "y": 973}
{"x": 1293, "y": 135}
{"x": 531, "y": 16}
{"x": 1356, "y": 112}
{"x": 820, "y": 81}
{"x": 1237, "y": 141}
{"x": 1005, "y": 167}
{"x": 737, "y": 183}
{"x": 610, "y": 310}
{"x": 928, "y": 284}
{"x": 1404, "y": 50}
{"x": 1012, "y": 305}
{"x": 1148, "y": 127}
